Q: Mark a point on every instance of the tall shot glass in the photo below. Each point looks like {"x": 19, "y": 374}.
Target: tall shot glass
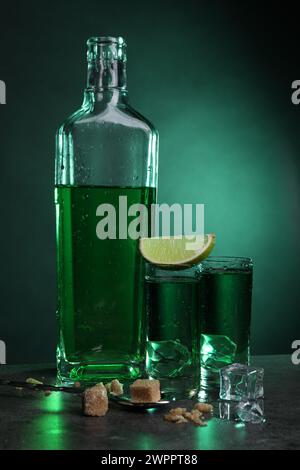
{"x": 173, "y": 346}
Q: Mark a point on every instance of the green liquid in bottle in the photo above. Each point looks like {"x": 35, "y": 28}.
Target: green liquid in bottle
{"x": 100, "y": 288}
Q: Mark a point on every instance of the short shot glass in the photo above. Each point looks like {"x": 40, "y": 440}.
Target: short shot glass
{"x": 224, "y": 315}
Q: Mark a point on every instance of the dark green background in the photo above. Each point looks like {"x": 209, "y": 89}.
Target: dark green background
{"x": 215, "y": 78}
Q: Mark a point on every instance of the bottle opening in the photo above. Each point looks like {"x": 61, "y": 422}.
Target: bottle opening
{"x": 106, "y": 39}
{"x": 106, "y": 48}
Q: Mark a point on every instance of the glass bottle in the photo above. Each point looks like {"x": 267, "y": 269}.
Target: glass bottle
{"x": 103, "y": 151}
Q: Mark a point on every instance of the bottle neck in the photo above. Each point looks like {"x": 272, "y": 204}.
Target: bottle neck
{"x": 106, "y": 80}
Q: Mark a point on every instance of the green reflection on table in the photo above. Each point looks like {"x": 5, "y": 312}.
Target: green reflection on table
{"x": 47, "y": 431}
{"x": 208, "y": 437}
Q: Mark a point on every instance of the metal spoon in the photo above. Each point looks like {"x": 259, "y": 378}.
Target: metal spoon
{"x": 40, "y": 387}
{"x": 120, "y": 400}
{"x": 127, "y": 403}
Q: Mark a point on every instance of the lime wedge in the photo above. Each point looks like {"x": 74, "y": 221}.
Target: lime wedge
{"x": 177, "y": 251}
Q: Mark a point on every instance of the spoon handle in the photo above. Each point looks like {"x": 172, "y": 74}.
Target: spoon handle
{"x": 41, "y": 387}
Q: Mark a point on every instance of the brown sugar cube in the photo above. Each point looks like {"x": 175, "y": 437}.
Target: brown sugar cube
{"x": 95, "y": 401}
{"x": 175, "y": 418}
{"x": 176, "y": 415}
{"x": 172, "y": 417}
{"x": 196, "y": 417}
{"x": 187, "y": 415}
{"x": 177, "y": 411}
{"x": 114, "y": 387}
{"x": 145, "y": 391}
{"x": 181, "y": 420}
{"x": 196, "y": 414}
{"x": 180, "y": 415}
{"x": 204, "y": 407}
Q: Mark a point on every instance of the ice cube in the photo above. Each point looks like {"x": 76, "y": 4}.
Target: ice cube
{"x": 216, "y": 351}
{"x": 167, "y": 358}
{"x": 227, "y": 410}
{"x": 240, "y": 382}
{"x": 251, "y": 411}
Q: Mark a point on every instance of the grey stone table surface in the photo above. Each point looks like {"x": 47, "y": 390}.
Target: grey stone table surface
{"x": 56, "y": 422}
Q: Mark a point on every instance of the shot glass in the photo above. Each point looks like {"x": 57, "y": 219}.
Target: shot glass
{"x": 225, "y": 315}
{"x": 173, "y": 346}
